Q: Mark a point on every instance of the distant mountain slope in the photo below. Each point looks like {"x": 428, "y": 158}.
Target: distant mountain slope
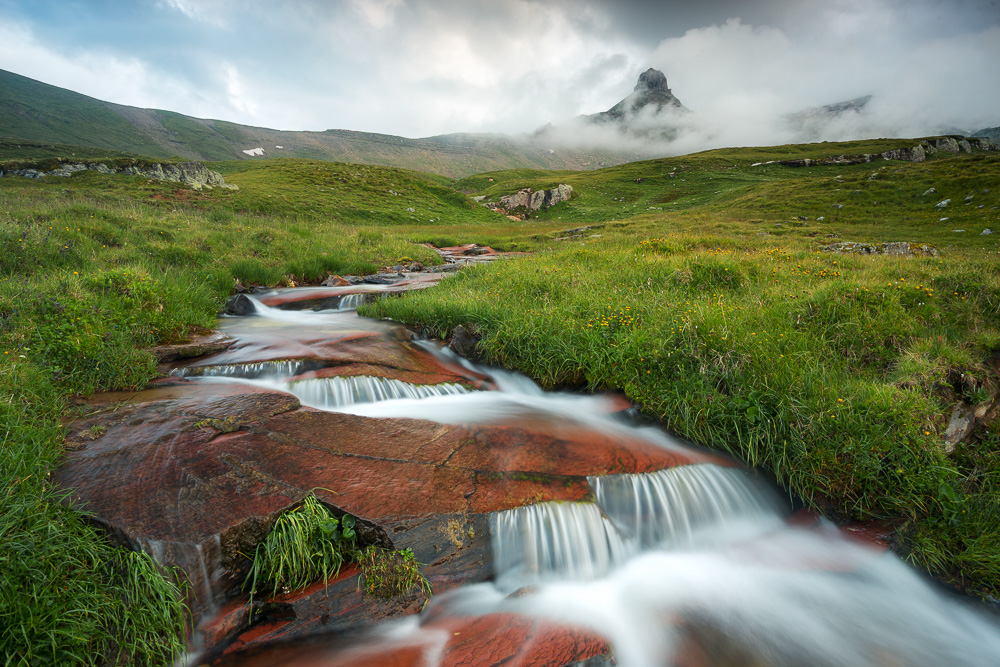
{"x": 990, "y": 133}
{"x": 38, "y": 112}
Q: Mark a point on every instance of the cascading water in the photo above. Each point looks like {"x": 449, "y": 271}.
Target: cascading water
{"x": 340, "y": 392}
{"x": 683, "y": 506}
{"x": 351, "y": 301}
{"x": 554, "y": 539}
{"x": 697, "y": 555}
{"x": 246, "y": 371}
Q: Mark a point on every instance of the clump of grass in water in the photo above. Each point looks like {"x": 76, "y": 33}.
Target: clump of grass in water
{"x": 388, "y": 574}
{"x": 307, "y": 544}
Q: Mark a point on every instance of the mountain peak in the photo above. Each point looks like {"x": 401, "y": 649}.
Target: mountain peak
{"x": 650, "y": 92}
{"x": 652, "y": 80}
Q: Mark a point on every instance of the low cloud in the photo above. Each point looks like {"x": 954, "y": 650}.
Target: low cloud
{"x": 746, "y": 85}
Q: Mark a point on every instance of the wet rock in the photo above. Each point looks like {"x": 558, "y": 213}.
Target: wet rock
{"x": 445, "y": 639}
{"x": 239, "y": 305}
{"x": 384, "y": 278}
{"x": 464, "y": 343}
{"x": 198, "y": 346}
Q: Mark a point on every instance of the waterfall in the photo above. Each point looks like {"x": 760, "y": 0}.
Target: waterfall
{"x": 680, "y": 506}
{"x": 565, "y": 539}
{"x": 351, "y": 301}
{"x": 676, "y": 508}
{"x": 249, "y": 371}
{"x": 337, "y": 392}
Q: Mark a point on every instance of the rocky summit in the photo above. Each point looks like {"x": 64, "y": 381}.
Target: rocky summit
{"x": 651, "y": 94}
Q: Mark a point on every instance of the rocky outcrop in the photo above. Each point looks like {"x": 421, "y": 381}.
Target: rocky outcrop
{"x": 526, "y": 200}
{"x": 195, "y": 175}
{"x": 916, "y": 153}
{"x": 898, "y": 249}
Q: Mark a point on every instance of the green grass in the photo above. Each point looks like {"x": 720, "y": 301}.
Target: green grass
{"x": 306, "y": 544}
{"x": 388, "y": 574}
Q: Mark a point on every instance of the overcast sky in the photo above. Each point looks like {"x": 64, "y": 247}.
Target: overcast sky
{"x": 424, "y": 67}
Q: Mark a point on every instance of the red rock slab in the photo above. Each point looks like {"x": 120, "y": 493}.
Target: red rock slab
{"x": 472, "y": 641}
{"x": 351, "y": 349}
{"x": 199, "y": 479}
{"x": 561, "y": 450}
{"x": 331, "y": 606}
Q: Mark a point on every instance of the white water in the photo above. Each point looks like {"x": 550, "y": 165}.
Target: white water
{"x": 692, "y": 547}
{"x": 351, "y": 301}
{"x": 248, "y": 371}
{"x": 339, "y": 392}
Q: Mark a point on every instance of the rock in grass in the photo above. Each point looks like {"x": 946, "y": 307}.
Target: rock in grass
{"x": 986, "y": 232}
{"x": 943, "y": 203}
{"x": 898, "y": 249}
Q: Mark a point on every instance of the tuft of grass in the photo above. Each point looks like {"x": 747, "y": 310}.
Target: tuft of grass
{"x": 307, "y": 544}
{"x": 388, "y": 574}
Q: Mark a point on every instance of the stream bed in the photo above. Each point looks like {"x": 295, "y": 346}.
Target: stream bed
{"x": 553, "y": 530}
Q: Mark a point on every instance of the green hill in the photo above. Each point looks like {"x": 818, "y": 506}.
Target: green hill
{"x": 37, "y": 112}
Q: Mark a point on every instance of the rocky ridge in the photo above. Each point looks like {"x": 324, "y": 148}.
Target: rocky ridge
{"x": 194, "y": 175}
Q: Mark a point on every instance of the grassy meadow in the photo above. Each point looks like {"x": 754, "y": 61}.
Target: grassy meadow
{"x": 699, "y": 287}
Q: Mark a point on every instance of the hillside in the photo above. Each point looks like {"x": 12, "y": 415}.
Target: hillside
{"x": 37, "y": 112}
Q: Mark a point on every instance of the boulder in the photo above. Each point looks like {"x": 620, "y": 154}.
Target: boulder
{"x": 240, "y": 305}
{"x": 527, "y": 200}
{"x": 947, "y": 144}
{"x": 335, "y": 281}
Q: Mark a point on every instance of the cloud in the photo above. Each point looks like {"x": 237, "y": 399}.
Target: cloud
{"x": 423, "y": 67}
{"x": 742, "y": 82}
